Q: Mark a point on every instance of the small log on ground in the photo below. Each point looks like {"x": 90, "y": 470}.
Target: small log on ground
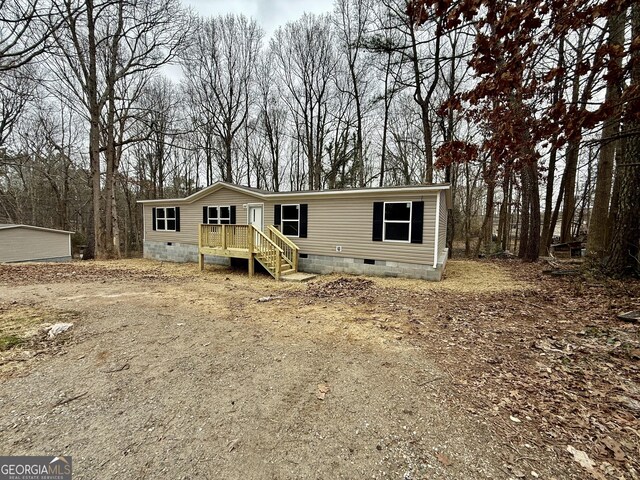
{"x": 633, "y": 317}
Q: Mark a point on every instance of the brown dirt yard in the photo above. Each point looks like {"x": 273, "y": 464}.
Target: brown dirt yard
{"x": 497, "y": 372}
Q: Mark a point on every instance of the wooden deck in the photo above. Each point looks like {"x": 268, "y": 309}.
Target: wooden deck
{"x": 275, "y": 252}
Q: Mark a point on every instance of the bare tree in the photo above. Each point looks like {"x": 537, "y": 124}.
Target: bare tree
{"x": 25, "y": 30}
{"x": 272, "y": 117}
{"x": 306, "y": 59}
{"x": 17, "y": 89}
{"x": 420, "y": 50}
{"x": 99, "y": 48}
{"x": 353, "y": 18}
{"x": 598, "y": 230}
{"x": 219, "y": 67}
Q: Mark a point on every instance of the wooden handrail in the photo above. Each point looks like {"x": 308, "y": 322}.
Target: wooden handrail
{"x": 267, "y": 252}
{"x": 289, "y": 248}
{"x": 282, "y": 237}
{"x": 261, "y": 234}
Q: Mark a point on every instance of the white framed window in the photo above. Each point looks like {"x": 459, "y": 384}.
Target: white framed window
{"x": 291, "y": 220}
{"x": 397, "y": 222}
{"x": 166, "y": 219}
{"x": 219, "y": 214}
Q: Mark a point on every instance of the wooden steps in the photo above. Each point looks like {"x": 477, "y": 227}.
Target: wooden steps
{"x": 274, "y": 251}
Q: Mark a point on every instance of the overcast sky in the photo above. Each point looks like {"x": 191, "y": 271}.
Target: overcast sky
{"x": 269, "y": 14}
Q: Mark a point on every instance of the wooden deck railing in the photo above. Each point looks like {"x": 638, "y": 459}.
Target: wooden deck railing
{"x": 290, "y": 250}
{"x": 249, "y": 241}
{"x": 224, "y": 236}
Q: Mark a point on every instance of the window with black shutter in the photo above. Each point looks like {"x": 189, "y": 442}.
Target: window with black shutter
{"x": 291, "y": 220}
{"x": 166, "y": 219}
{"x": 218, "y": 214}
{"x": 398, "y": 221}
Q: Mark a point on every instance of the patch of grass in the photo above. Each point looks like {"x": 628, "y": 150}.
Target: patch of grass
{"x": 466, "y": 276}
{"x": 7, "y": 342}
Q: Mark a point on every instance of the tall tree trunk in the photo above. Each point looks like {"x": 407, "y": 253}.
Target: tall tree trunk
{"x": 359, "y": 157}
{"x": 503, "y": 222}
{"x": 109, "y": 178}
{"x": 94, "y": 132}
{"x": 506, "y": 235}
{"x": 585, "y": 199}
{"x": 485, "y": 232}
{"x": 228, "y": 163}
{"x": 467, "y": 214}
{"x": 569, "y": 205}
{"x": 530, "y": 233}
{"x": 428, "y": 142}
{"x": 572, "y": 154}
{"x": 598, "y": 226}
{"x": 556, "y": 212}
{"x": 424, "y": 99}
{"x": 545, "y": 240}
{"x": 623, "y": 256}
{"x": 615, "y": 195}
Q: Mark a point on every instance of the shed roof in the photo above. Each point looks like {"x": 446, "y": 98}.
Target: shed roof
{"x": 258, "y": 193}
{"x": 7, "y": 226}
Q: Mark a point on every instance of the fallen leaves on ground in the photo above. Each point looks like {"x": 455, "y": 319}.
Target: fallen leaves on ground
{"x": 549, "y": 364}
{"x": 37, "y": 273}
{"x": 341, "y": 287}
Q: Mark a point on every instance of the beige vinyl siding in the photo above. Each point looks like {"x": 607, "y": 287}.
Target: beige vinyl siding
{"x": 23, "y": 244}
{"x": 442, "y": 228}
{"x": 333, "y": 220}
{"x": 191, "y": 215}
{"x": 348, "y": 222}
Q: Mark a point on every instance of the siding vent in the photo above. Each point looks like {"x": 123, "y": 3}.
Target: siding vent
{"x": 304, "y": 255}
{"x": 368, "y": 261}
{"x": 338, "y": 248}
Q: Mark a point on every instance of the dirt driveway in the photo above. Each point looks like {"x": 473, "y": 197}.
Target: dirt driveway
{"x": 172, "y": 373}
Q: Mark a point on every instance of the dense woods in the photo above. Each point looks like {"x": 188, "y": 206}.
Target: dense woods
{"x": 530, "y": 110}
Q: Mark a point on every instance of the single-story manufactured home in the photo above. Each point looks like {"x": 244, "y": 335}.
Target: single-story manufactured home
{"x": 26, "y": 243}
{"x": 387, "y": 231}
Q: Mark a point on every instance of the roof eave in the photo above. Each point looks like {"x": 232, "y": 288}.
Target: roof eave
{"x": 280, "y": 195}
{"x": 33, "y": 227}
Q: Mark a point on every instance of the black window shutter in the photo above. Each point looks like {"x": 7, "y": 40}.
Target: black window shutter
{"x": 304, "y": 209}
{"x": 378, "y": 215}
{"x": 417, "y": 217}
{"x": 277, "y": 215}
{"x": 153, "y": 217}
{"x": 205, "y": 214}
{"x": 232, "y": 215}
{"x": 177, "y": 219}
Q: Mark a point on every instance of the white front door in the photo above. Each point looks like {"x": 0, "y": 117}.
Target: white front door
{"x": 254, "y": 214}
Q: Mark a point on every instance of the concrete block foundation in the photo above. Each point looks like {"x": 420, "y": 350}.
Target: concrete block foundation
{"x": 321, "y": 264}
{"x": 324, "y": 264}
{"x": 179, "y": 253}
